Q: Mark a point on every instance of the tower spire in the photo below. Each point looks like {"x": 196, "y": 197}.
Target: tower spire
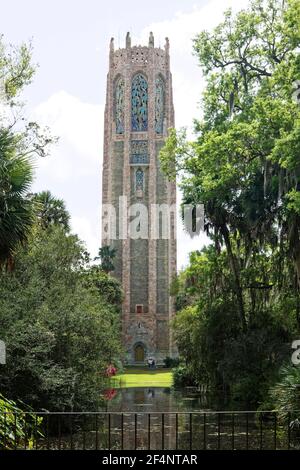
{"x": 167, "y": 45}
{"x": 111, "y": 45}
{"x": 151, "y": 40}
{"x": 128, "y": 40}
{"x": 111, "y": 51}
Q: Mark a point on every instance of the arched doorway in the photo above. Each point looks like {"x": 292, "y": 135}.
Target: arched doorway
{"x": 139, "y": 353}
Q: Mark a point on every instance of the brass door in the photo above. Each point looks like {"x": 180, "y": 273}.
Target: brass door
{"x": 139, "y": 353}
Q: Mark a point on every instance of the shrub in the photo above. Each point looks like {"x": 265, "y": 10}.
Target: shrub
{"x": 60, "y": 331}
{"x": 170, "y": 362}
{"x": 285, "y": 394}
{"x": 182, "y": 376}
{"x": 17, "y": 427}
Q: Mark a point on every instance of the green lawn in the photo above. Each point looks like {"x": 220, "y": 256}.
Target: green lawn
{"x": 143, "y": 378}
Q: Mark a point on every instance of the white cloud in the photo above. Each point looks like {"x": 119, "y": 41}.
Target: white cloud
{"x": 88, "y": 231}
{"x": 79, "y": 126}
{"x": 73, "y": 169}
{"x": 183, "y": 27}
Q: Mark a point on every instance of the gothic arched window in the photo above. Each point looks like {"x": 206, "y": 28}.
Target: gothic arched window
{"x": 119, "y": 106}
{"x": 139, "y": 103}
{"x": 159, "y": 105}
{"x": 139, "y": 180}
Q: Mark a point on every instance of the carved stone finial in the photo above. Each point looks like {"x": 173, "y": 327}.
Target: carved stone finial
{"x": 128, "y": 40}
{"x": 111, "y": 46}
{"x": 151, "y": 40}
{"x": 167, "y": 45}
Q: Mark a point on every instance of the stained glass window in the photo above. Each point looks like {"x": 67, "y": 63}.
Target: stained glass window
{"x": 119, "y": 106}
{"x": 159, "y": 105}
{"x": 139, "y": 180}
{"x": 139, "y": 103}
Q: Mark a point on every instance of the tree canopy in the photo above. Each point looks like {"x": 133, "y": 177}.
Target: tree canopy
{"x": 20, "y": 141}
{"x": 60, "y": 331}
{"x": 244, "y": 166}
{"x": 59, "y": 315}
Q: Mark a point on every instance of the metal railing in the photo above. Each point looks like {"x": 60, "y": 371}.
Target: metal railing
{"x": 210, "y": 430}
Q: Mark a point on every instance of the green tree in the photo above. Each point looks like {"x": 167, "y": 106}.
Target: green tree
{"x": 237, "y": 167}
{"x": 51, "y": 210}
{"x": 244, "y": 167}
{"x": 16, "y": 211}
{"x": 212, "y": 345}
{"x": 107, "y": 286}
{"x": 106, "y": 256}
{"x": 60, "y": 332}
{"x": 285, "y": 394}
{"x": 20, "y": 140}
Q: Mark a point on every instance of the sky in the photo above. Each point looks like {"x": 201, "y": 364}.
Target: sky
{"x": 70, "y": 46}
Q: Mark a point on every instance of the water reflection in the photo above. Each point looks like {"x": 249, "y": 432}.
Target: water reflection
{"x": 160, "y": 418}
{"x": 143, "y": 399}
{"x": 143, "y": 428}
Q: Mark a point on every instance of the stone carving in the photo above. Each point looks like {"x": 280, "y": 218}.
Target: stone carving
{"x": 139, "y": 55}
{"x": 151, "y": 40}
{"x": 139, "y": 152}
{"x": 119, "y": 106}
{"x": 139, "y": 180}
{"x": 159, "y": 105}
{"x": 128, "y": 40}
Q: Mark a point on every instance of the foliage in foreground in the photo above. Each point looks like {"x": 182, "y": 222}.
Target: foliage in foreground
{"x": 60, "y": 330}
{"x": 58, "y": 317}
{"x": 285, "y": 394}
{"x": 18, "y": 426}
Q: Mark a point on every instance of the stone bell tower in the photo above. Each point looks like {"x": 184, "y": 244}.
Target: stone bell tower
{"x": 138, "y": 112}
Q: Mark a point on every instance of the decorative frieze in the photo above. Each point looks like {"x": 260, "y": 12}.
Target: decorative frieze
{"x": 139, "y": 152}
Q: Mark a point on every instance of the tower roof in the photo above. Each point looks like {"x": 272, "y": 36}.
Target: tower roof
{"x": 128, "y": 42}
{"x": 139, "y": 55}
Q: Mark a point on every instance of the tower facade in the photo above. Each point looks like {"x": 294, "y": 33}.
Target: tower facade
{"x": 138, "y": 202}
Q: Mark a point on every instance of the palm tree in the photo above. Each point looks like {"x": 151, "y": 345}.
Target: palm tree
{"x": 16, "y": 210}
{"x": 106, "y": 255}
{"x": 50, "y": 210}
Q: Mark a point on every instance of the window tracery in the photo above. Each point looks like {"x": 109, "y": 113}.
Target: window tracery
{"x": 139, "y": 103}
{"x": 159, "y": 105}
{"x": 119, "y": 106}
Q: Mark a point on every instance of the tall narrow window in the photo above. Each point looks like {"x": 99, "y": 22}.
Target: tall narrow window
{"x": 139, "y": 180}
{"x": 139, "y": 103}
{"x": 159, "y": 105}
{"x": 119, "y": 106}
